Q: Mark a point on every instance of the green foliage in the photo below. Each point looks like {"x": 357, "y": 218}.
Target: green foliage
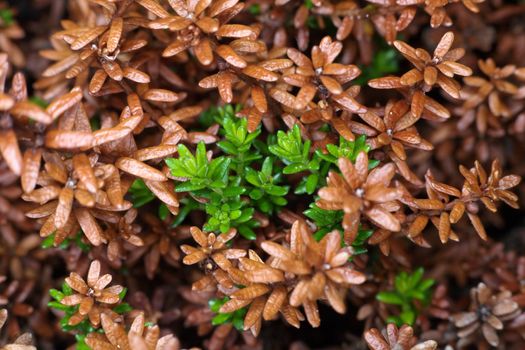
{"x": 347, "y": 149}
{"x": 40, "y": 102}
{"x": 359, "y": 243}
{"x": 329, "y": 220}
{"x": 266, "y": 194}
{"x": 248, "y": 174}
{"x": 384, "y": 62}
{"x": 48, "y": 242}
{"x": 230, "y": 211}
{"x": 410, "y": 290}
{"x": 295, "y": 154}
{"x": 214, "y": 114}
{"x": 325, "y": 220}
{"x": 237, "y": 140}
{"x": 94, "y": 123}
{"x": 309, "y": 4}
{"x": 163, "y": 211}
{"x": 217, "y": 180}
{"x": 188, "y": 205}
{"x": 197, "y": 171}
{"x": 82, "y": 329}
{"x": 7, "y": 17}
{"x": 236, "y": 318}
{"x": 255, "y": 9}
{"x": 140, "y": 193}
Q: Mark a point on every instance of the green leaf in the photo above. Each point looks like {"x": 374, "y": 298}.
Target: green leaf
{"x": 48, "y": 242}
{"x": 56, "y": 305}
{"x": 81, "y": 344}
{"x": 401, "y": 282}
{"x": 395, "y": 320}
{"x": 426, "y": 284}
{"x": 389, "y": 298}
{"x": 252, "y": 177}
{"x": 238, "y": 319}
{"x": 311, "y": 183}
{"x": 227, "y": 147}
{"x": 325, "y": 220}
{"x": 219, "y": 169}
{"x": 189, "y": 186}
{"x": 123, "y": 293}
{"x": 215, "y": 304}
{"x": 246, "y": 215}
{"x": 233, "y": 191}
{"x": 309, "y": 4}
{"x": 409, "y": 288}
{"x": 247, "y": 232}
{"x": 408, "y": 317}
{"x": 140, "y": 193}
{"x": 280, "y": 201}
{"x": 122, "y": 308}
{"x": 255, "y": 9}
{"x": 275, "y": 190}
{"x": 163, "y": 211}
{"x": 295, "y": 168}
{"x": 40, "y": 102}
{"x": 56, "y": 294}
{"x": 7, "y": 17}
{"x": 415, "y": 278}
{"x": 221, "y": 318}
{"x": 189, "y": 205}
{"x": 256, "y": 194}
{"x": 267, "y": 167}
{"x": 66, "y": 289}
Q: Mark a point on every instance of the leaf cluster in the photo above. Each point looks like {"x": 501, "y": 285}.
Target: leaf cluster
{"x": 236, "y": 318}
{"x": 410, "y": 291}
{"x": 296, "y": 154}
{"x": 82, "y": 329}
{"x": 233, "y": 185}
{"x": 77, "y": 239}
{"x": 329, "y": 220}
{"x": 249, "y": 174}
{"x": 141, "y": 195}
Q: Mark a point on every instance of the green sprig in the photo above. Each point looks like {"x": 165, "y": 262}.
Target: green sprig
{"x": 409, "y": 291}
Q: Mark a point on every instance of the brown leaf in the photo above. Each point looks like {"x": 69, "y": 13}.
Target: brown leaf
{"x": 65, "y": 205}
{"x": 260, "y": 73}
{"x": 30, "y": 168}
{"x": 478, "y": 226}
{"x": 161, "y": 95}
{"x": 10, "y": 151}
{"x": 230, "y": 56}
{"x": 140, "y": 169}
{"x": 234, "y": 31}
{"x": 383, "y": 219}
{"x": 163, "y": 191}
{"x": 84, "y": 172}
{"x": 89, "y": 226}
{"x": 63, "y": 103}
{"x": 135, "y": 75}
{"x": 444, "y": 44}
{"x": 63, "y": 139}
{"x": 115, "y": 33}
{"x": 33, "y": 112}
{"x": 87, "y": 37}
